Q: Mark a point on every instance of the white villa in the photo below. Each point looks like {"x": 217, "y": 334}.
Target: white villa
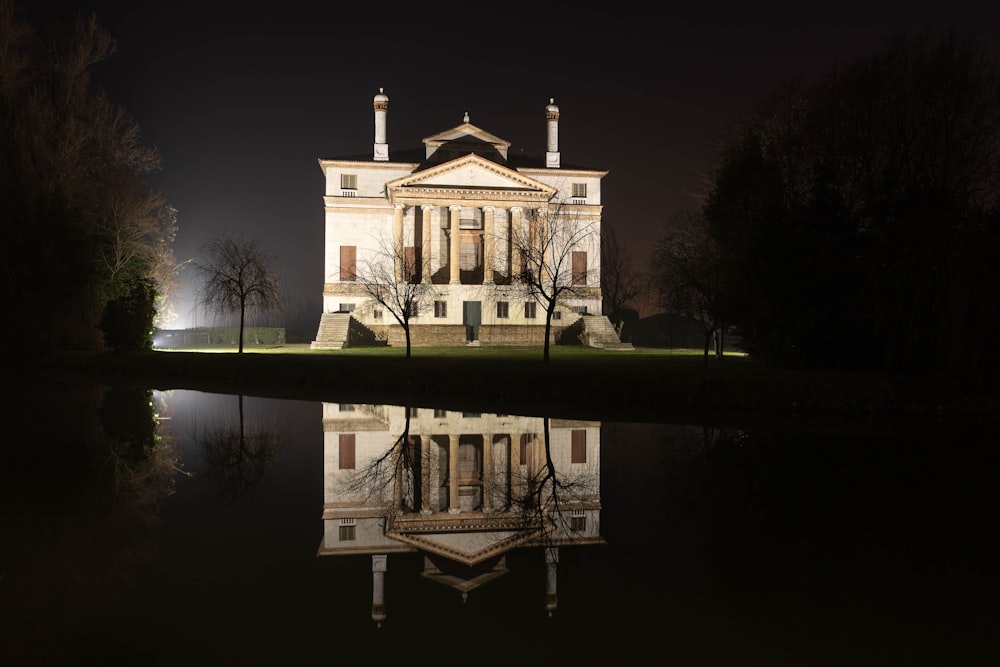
{"x": 460, "y": 489}
{"x": 448, "y": 232}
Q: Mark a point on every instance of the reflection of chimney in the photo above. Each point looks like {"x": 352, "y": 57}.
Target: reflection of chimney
{"x": 552, "y": 144}
{"x": 551, "y": 567}
{"x": 379, "y": 564}
{"x": 381, "y": 104}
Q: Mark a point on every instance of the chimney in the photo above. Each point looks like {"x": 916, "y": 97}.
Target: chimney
{"x": 381, "y": 103}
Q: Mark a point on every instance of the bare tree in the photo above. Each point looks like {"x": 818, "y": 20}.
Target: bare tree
{"x": 240, "y": 279}
{"x": 552, "y": 250}
{"x": 621, "y": 283}
{"x": 239, "y": 458}
{"x": 685, "y": 275}
{"x": 391, "y": 278}
{"x": 537, "y": 491}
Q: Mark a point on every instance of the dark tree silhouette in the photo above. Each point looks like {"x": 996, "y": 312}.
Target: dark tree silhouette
{"x": 239, "y": 458}
{"x": 856, "y": 214}
{"x": 621, "y": 283}
{"x": 240, "y": 279}
{"x": 81, "y": 225}
{"x": 686, "y": 275}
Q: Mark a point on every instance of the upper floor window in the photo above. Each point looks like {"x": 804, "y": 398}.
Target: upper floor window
{"x": 348, "y": 181}
{"x": 470, "y": 218}
{"x": 579, "y": 190}
{"x": 578, "y": 451}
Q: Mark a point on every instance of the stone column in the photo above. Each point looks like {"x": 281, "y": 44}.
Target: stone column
{"x": 426, "y": 243}
{"x": 397, "y": 478}
{"x": 545, "y": 247}
{"x": 487, "y": 472}
{"x": 425, "y": 474}
{"x": 516, "y": 233}
{"x": 453, "y": 247}
{"x": 488, "y": 236}
{"x": 453, "y": 507}
{"x": 397, "y": 240}
{"x": 517, "y": 480}
{"x": 379, "y": 566}
{"x": 551, "y": 579}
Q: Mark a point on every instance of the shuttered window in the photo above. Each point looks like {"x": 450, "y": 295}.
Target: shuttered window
{"x": 579, "y": 268}
{"x": 579, "y": 451}
{"x": 346, "y": 451}
{"x": 348, "y": 263}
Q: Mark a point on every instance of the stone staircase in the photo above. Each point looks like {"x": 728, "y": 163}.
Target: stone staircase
{"x": 334, "y": 329}
{"x": 599, "y": 332}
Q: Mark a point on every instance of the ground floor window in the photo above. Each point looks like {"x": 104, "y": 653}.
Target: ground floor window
{"x": 502, "y": 308}
{"x": 440, "y": 309}
{"x": 530, "y": 309}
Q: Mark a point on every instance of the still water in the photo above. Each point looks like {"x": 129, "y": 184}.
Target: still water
{"x": 167, "y": 528}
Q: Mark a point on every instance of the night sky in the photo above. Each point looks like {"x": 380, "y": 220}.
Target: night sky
{"x": 243, "y": 100}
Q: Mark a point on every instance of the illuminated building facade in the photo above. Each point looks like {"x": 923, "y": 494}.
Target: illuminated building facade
{"x": 459, "y": 222}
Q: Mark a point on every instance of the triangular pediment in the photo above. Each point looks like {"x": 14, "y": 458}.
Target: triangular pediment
{"x": 466, "y": 132}
{"x": 468, "y": 548}
{"x": 469, "y": 173}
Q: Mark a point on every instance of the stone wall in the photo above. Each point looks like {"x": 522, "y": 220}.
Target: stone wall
{"x": 444, "y": 334}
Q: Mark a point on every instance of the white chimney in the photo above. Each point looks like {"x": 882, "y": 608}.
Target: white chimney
{"x": 381, "y": 104}
{"x": 552, "y": 149}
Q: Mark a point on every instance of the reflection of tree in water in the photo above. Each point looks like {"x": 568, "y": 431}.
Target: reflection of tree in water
{"x": 535, "y": 499}
{"x": 84, "y": 472}
{"x": 239, "y": 458}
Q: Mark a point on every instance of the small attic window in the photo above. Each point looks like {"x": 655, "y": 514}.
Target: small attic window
{"x": 579, "y": 190}
{"x": 349, "y": 182}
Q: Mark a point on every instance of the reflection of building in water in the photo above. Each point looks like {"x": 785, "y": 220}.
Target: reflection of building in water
{"x": 463, "y": 489}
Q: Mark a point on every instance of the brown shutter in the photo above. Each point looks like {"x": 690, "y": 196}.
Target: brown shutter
{"x": 347, "y": 451}
{"x": 579, "y": 453}
{"x": 410, "y": 266}
{"x": 579, "y": 267}
{"x": 348, "y": 263}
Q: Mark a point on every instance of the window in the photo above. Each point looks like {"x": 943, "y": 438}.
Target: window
{"x": 530, "y": 310}
{"x": 470, "y": 218}
{"x": 410, "y": 268}
{"x": 502, "y": 307}
{"x": 347, "y": 530}
{"x": 579, "y": 190}
{"x": 440, "y": 309}
{"x": 346, "y": 451}
{"x": 347, "y": 407}
{"x": 348, "y": 263}
{"x": 413, "y": 309}
{"x": 472, "y": 414}
{"x": 579, "y": 267}
{"x": 414, "y": 412}
{"x": 577, "y": 521}
{"x": 557, "y": 315}
{"x": 440, "y": 414}
{"x": 526, "y": 439}
{"x": 579, "y": 451}
{"x": 349, "y": 182}
{"x": 377, "y": 313}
